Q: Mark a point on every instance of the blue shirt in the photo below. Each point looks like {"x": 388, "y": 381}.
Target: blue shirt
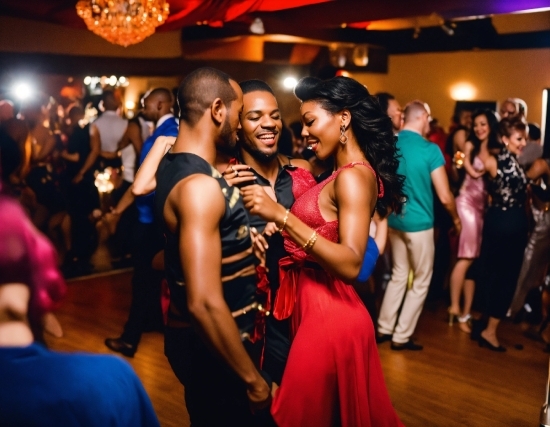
{"x": 146, "y": 204}
{"x": 420, "y": 158}
{"x": 45, "y": 388}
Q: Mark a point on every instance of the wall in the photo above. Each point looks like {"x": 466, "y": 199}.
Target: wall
{"x": 20, "y": 35}
{"x": 496, "y": 75}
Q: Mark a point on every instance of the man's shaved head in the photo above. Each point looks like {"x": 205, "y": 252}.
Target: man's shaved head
{"x": 414, "y": 109}
{"x": 161, "y": 94}
{"x": 199, "y": 89}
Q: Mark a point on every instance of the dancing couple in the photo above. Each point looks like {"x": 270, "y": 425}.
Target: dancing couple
{"x": 333, "y": 375}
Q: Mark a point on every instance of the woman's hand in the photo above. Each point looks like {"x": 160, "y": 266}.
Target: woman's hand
{"x": 238, "y": 175}
{"x": 258, "y": 202}
{"x": 270, "y": 229}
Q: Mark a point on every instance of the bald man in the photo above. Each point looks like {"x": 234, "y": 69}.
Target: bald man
{"x": 209, "y": 262}
{"x": 411, "y": 232}
{"x": 147, "y": 236}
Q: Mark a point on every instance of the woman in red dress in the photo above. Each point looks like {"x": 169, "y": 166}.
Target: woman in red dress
{"x": 333, "y": 376}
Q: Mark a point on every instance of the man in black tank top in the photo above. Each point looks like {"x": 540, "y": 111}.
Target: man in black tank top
{"x": 210, "y": 266}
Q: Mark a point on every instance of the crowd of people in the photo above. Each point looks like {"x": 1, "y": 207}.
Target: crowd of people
{"x": 253, "y": 241}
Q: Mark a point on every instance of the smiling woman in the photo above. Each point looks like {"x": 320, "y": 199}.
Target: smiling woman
{"x": 325, "y": 234}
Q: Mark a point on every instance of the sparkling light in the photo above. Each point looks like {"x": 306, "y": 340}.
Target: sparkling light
{"x": 87, "y": 80}
{"x": 123, "y": 22}
{"x": 103, "y": 181}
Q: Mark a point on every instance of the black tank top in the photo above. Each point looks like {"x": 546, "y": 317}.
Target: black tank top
{"x": 238, "y": 260}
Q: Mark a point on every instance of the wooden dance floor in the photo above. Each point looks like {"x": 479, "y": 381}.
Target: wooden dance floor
{"x": 452, "y": 382}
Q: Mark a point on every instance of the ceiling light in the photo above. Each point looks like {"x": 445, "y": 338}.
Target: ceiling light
{"x": 123, "y": 22}
{"x": 257, "y": 26}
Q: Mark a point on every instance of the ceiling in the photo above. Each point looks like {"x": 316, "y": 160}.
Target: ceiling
{"x": 398, "y": 26}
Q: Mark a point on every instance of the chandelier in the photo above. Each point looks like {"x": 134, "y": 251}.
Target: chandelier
{"x": 123, "y": 22}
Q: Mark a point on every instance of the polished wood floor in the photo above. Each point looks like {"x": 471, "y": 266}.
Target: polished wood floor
{"x": 452, "y": 382}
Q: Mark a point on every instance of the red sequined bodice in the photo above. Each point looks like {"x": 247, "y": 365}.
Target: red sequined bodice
{"x": 306, "y": 207}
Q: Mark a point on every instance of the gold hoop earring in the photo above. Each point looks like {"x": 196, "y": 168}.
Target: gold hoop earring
{"x": 343, "y": 138}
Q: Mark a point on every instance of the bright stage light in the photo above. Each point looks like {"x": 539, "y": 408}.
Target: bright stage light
{"x": 290, "y": 82}
{"x": 130, "y": 105}
{"x": 87, "y": 80}
{"x": 22, "y": 91}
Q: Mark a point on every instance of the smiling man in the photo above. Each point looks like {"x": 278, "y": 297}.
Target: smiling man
{"x": 259, "y": 161}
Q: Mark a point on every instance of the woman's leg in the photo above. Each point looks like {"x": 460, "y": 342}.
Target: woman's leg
{"x": 457, "y": 285}
{"x": 490, "y": 332}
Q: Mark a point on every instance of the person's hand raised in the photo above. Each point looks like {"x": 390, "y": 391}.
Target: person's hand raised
{"x": 258, "y": 202}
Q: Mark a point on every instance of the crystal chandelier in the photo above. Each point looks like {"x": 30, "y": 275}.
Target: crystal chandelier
{"x": 123, "y": 22}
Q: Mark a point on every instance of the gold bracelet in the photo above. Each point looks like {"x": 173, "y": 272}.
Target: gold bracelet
{"x": 309, "y": 244}
{"x": 280, "y": 230}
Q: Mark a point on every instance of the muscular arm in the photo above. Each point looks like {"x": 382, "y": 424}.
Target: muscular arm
{"x": 443, "y": 191}
{"x": 145, "y": 181}
{"x": 197, "y": 223}
{"x": 353, "y": 212}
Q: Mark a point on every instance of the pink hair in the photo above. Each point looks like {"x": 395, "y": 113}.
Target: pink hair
{"x": 27, "y": 256}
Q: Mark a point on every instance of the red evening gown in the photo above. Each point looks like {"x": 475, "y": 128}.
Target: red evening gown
{"x": 333, "y": 376}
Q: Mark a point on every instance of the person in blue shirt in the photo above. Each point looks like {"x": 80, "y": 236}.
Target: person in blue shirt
{"x": 147, "y": 235}
{"x": 39, "y": 387}
{"x": 411, "y": 232}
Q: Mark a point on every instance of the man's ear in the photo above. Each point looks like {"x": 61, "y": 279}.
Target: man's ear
{"x": 218, "y": 111}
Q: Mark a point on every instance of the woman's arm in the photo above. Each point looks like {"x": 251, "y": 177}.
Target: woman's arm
{"x": 459, "y": 140}
{"x": 145, "y": 181}
{"x": 491, "y": 166}
{"x": 381, "y": 235}
{"x": 46, "y": 147}
{"x": 468, "y": 167}
{"x": 354, "y": 208}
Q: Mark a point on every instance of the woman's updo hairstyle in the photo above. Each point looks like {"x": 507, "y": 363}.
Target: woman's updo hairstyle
{"x": 370, "y": 125}
{"x": 509, "y": 125}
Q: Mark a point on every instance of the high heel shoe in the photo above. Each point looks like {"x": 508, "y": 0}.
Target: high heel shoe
{"x": 452, "y": 316}
{"x": 484, "y": 343}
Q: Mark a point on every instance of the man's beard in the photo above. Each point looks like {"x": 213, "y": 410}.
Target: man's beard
{"x": 256, "y": 154}
{"x": 227, "y": 135}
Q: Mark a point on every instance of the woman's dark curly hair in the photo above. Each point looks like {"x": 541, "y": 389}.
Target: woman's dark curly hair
{"x": 493, "y": 142}
{"x": 371, "y": 126}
